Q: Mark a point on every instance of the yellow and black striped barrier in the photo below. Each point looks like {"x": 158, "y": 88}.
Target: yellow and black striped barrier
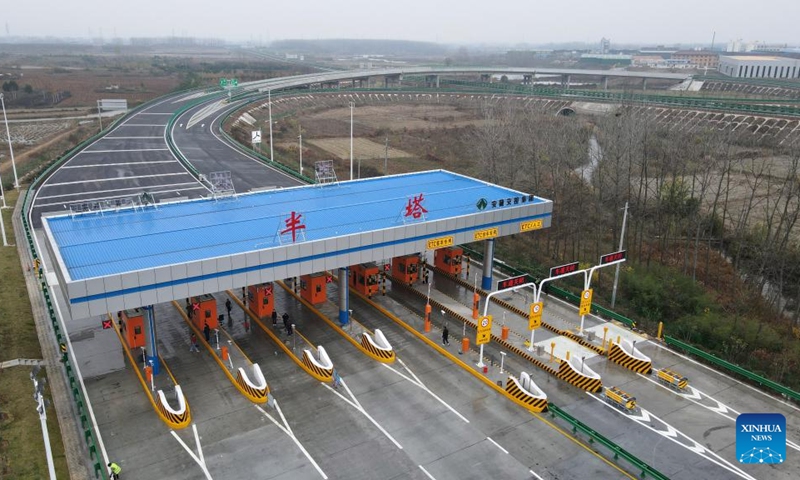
{"x": 175, "y": 419}
{"x": 380, "y": 354}
{"x": 568, "y": 373}
{"x": 523, "y": 397}
{"x": 256, "y": 395}
{"x": 619, "y": 356}
{"x": 316, "y": 371}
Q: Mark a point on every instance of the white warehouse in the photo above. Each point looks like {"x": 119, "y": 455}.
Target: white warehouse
{"x": 758, "y": 66}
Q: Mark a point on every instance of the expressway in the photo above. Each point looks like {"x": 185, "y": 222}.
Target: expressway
{"x": 238, "y": 439}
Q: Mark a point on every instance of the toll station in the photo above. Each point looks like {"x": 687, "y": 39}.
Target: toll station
{"x": 136, "y": 257}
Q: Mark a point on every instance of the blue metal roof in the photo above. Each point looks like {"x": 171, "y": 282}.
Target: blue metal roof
{"x": 93, "y": 245}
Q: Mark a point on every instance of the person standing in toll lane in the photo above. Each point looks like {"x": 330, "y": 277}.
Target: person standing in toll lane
{"x": 445, "y": 335}
{"x": 228, "y": 307}
{"x": 274, "y": 318}
{"x": 207, "y": 332}
{"x": 193, "y": 341}
{"x": 286, "y": 323}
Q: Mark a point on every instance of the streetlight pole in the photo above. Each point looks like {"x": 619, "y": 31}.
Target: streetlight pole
{"x": 300, "y": 137}
{"x": 10, "y": 148}
{"x": 616, "y": 273}
{"x": 386, "y": 158}
{"x": 3, "y": 194}
{"x": 271, "y": 152}
{"x": 99, "y": 117}
{"x": 352, "y": 105}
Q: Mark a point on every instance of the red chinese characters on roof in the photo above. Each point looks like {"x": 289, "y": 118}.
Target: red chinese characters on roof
{"x": 414, "y": 208}
{"x": 293, "y": 224}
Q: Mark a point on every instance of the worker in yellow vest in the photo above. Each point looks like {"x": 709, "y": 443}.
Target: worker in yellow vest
{"x": 115, "y": 470}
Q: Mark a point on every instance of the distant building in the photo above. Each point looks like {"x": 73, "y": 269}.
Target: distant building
{"x": 698, "y": 58}
{"x": 605, "y": 45}
{"x": 759, "y": 66}
{"x": 605, "y": 59}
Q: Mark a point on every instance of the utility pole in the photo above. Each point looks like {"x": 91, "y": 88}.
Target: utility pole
{"x": 616, "y": 273}
{"x": 386, "y": 158}
{"x": 271, "y": 153}
{"x": 99, "y": 117}
{"x": 300, "y": 137}
{"x": 352, "y": 105}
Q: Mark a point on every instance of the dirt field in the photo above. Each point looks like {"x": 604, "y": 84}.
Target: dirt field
{"x": 362, "y": 148}
{"x": 400, "y": 116}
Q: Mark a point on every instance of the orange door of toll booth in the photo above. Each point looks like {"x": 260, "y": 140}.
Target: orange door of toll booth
{"x": 406, "y": 268}
{"x": 259, "y": 300}
{"x": 312, "y": 288}
{"x": 132, "y": 327}
{"x": 448, "y": 259}
{"x": 204, "y": 310}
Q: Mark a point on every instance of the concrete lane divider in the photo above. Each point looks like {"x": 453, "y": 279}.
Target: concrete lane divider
{"x": 321, "y": 368}
{"x": 525, "y": 392}
{"x": 580, "y": 376}
{"x": 176, "y": 418}
{"x": 627, "y": 355}
{"x": 378, "y": 348}
{"x": 255, "y": 390}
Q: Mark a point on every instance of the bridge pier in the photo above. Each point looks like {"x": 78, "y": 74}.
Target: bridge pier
{"x": 150, "y": 344}
{"x": 432, "y": 80}
{"x": 644, "y": 84}
{"x": 488, "y": 263}
{"x": 565, "y": 80}
{"x": 605, "y": 83}
{"x": 527, "y": 79}
{"x": 486, "y": 77}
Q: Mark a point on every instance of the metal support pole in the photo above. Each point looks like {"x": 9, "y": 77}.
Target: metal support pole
{"x": 10, "y": 147}
{"x": 99, "y": 117}
{"x": 621, "y": 240}
{"x": 300, "y": 137}
{"x": 40, "y": 407}
{"x": 2, "y": 193}
{"x": 344, "y": 317}
{"x": 3, "y": 230}
{"x": 352, "y": 105}
{"x": 271, "y": 152}
{"x": 386, "y": 157}
{"x": 502, "y": 361}
{"x": 150, "y": 339}
{"x": 488, "y": 262}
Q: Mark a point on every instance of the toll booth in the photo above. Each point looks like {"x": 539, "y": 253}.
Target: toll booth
{"x": 312, "y": 288}
{"x": 133, "y": 330}
{"x": 364, "y": 278}
{"x": 204, "y": 310}
{"x": 260, "y": 301}
{"x": 448, "y": 259}
{"x": 406, "y": 268}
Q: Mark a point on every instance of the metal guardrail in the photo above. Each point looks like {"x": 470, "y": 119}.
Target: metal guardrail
{"x": 577, "y": 425}
{"x": 733, "y": 368}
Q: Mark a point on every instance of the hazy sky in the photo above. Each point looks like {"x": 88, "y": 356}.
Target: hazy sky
{"x": 465, "y": 21}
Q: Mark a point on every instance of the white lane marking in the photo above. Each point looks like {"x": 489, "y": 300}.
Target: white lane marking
{"x": 98, "y": 199}
{"x": 118, "y": 164}
{"x": 416, "y": 381}
{"x": 199, "y": 460}
{"x": 115, "y": 190}
{"x": 154, "y": 113}
{"x": 142, "y": 125}
{"x": 285, "y": 428}
{"x": 647, "y": 419}
{"x": 112, "y": 179}
{"x": 737, "y": 382}
{"x": 535, "y": 475}
{"x": 357, "y": 405}
{"x": 131, "y": 138}
{"x": 497, "y": 445}
{"x": 128, "y": 150}
{"x": 721, "y": 409}
{"x": 426, "y": 472}
{"x": 197, "y": 442}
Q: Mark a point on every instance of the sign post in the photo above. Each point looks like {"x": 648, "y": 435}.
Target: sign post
{"x": 483, "y": 336}
{"x": 534, "y": 320}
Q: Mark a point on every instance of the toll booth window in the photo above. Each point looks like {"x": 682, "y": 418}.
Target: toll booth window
{"x": 266, "y": 300}
{"x": 447, "y": 260}
{"x": 457, "y": 259}
{"x": 208, "y": 313}
{"x": 360, "y": 279}
{"x": 319, "y": 288}
{"x": 303, "y": 284}
{"x": 137, "y": 330}
{"x": 401, "y": 267}
{"x": 412, "y": 268}
{"x": 372, "y": 280}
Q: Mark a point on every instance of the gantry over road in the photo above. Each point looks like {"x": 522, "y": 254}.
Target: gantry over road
{"x": 131, "y": 257}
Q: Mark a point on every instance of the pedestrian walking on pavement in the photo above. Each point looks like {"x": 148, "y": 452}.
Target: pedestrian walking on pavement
{"x": 228, "y": 307}
{"x": 274, "y": 318}
{"x": 193, "y": 341}
{"x": 114, "y": 471}
{"x": 445, "y": 335}
{"x": 207, "y": 332}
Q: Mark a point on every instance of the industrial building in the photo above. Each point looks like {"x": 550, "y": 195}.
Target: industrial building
{"x": 758, "y": 66}
{"x": 698, "y": 58}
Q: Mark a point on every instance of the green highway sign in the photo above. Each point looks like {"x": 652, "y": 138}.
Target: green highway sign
{"x": 228, "y": 82}
{"x": 482, "y": 203}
